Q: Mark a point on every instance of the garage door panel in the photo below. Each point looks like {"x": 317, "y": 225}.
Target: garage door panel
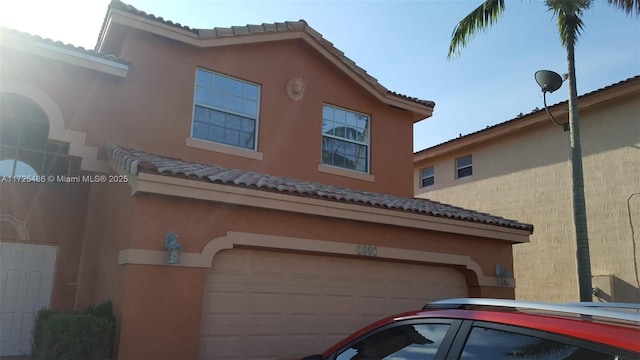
{"x": 222, "y": 347}
{"x": 261, "y": 346}
{"x": 339, "y": 305}
{"x": 304, "y": 341}
{"x": 265, "y": 304}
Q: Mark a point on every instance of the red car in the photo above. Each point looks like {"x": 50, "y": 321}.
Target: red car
{"x": 495, "y": 329}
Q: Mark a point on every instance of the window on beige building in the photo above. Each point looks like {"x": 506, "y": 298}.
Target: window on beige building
{"x": 464, "y": 167}
{"x": 427, "y": 176}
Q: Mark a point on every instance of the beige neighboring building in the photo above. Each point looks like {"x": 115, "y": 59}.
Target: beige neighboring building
{"x": 521, "y": 169}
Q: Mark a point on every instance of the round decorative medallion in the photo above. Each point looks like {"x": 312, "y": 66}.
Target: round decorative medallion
{"x": 295, "y": 88}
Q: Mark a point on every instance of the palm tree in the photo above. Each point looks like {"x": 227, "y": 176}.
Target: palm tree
{"x": 568, "y": 14}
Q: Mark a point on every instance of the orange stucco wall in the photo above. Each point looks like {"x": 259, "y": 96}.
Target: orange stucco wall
{"x": 155, "y": 104}
{"x": 198, "y": 222}
{"x": 54, "y": 215}
{"x": 159, "y": 307}
{"x": 165, "y": 325}
{"x": 176, "y": 302}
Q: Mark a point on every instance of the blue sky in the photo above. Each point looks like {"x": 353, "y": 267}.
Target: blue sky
{"x": 403, "y": 44}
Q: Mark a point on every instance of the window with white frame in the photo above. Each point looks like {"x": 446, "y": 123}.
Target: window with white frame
{"x": 427, "y": 176}
{"x": 464, "y": 166}
{"x": 225, "y": 110}
{"x": 345, "y": 138}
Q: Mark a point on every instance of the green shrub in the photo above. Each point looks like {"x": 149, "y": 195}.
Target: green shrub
{"x": 39, "y": 321}
{"x": 74, "y": 336}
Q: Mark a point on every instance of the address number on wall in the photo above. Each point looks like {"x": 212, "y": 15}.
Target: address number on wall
{"x": 367, "y": 250}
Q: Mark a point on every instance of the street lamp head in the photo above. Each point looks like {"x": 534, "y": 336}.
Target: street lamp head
{"x": 548, "y": 80}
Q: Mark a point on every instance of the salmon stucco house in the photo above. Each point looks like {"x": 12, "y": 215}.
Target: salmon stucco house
{"x": 281, "y": 168}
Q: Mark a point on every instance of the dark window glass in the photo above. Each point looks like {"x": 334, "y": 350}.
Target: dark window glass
{"x": 216, "y": 126}
{"x": 408, "y": 342}
{"x": 464, "y": 167}
{"x": 35, "y": 159}
{"x": 345, "y": 139}
{"x": 56, "y": 165}
{"x": 58, "y": 147}
{"x": 427, "y": 176}
{"x": 25, "y": 148}
{"x": 498, "y": 345}
{"x": 34, "y": 135}
{"x": 464, "y": 172}
{"x": 225, "y": 110}
{"x": 9, "y": 130}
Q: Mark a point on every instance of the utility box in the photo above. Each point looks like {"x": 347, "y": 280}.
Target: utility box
{"x": 610, "y": 288}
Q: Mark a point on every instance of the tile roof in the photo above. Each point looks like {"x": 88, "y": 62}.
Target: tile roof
{"x": 521, "y": 117}
{"x": 136, "y": 161}
{"x": 248, "y": 30}
{"x": 80, "y": 50}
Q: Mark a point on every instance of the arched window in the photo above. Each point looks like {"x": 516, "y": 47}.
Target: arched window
{"x": 25, "y": 148}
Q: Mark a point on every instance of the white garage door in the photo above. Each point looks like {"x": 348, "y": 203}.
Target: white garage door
{"x": 269, "y": 305}
{"x": 26, "y": 278}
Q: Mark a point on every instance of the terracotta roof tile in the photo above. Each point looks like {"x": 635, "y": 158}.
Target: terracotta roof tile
{"x": 135, "y": 161}
{"x": 80, "y": 50}
{"x": 248, "y": 30}
{"x": 116, "y": 4}
{"x": 269, "y": 27}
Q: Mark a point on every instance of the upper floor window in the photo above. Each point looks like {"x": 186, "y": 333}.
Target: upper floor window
{"x": 427, "y": 176}
{"x": 225, "y": 110}
{"x": 25, "y": 148}
{"x": 464, "y": 166}
{"x": 345, "y": 138}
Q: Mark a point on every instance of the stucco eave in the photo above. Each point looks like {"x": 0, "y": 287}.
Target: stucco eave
{"x": 63, "y": 54}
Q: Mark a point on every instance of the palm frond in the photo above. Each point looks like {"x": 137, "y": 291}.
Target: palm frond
{"x": 481, "y": 18}
{"x": 631, "y": 7}
{"x": 569, "y": 15}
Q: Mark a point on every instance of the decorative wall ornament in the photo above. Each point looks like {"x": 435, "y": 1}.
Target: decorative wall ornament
{"x": 295, "y": 89}
{"x": 19, "y": 227}
{"x": 174, "y": 249}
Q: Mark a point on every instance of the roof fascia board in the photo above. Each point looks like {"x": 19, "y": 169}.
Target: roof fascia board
{"x": 385, "y": 98}
{"x": 585, "y": 102}
{"x": 180, "y": 35}
{"x": 69, "y": 56}
{"x": 483, "y": 136}
{"x": 186, "y": 188}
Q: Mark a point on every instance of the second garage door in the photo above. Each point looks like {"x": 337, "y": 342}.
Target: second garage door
{"x": 269, "y": 305}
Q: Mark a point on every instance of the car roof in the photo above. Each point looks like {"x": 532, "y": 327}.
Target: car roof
{"x": 618, "y": 328}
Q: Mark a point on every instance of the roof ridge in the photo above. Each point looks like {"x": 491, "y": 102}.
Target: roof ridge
{"x": 117, "y": 4}
{"x": 251, "y": 29}
{"x": 135, "y": 161}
